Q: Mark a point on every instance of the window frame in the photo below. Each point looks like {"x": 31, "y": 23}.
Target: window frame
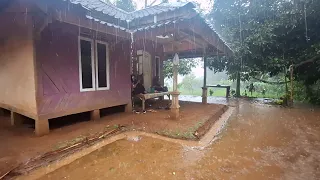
{"x": 92, "y": 64}
{"x": 139, "y": 64}
{"x": 107, "y": 64}
{"x": 157, "y": 69}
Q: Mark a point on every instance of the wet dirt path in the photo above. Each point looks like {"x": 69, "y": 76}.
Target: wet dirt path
{"x": 260, "y": 142}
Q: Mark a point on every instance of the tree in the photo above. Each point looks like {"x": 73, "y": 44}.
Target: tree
{"x": 188, "y": 82}
{"x": 269, "y": 36}
{"x": 185, "y": 67}
{"x": 126, "y": 5}
{"x": 251, "y": 88}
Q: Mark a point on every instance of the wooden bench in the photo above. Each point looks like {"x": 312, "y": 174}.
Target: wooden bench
{"x": 144, "y": 97}
{"x": 222, "y": 86}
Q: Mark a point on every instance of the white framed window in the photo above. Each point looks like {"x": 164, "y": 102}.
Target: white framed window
{"x": 102, "y": 66}
{"x": 140, "y": 65}
{"x": 86, "y": 64}
{"x": 93, "y": 65}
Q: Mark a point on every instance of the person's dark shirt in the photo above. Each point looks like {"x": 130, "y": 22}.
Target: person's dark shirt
{"x": 139, "y": 89}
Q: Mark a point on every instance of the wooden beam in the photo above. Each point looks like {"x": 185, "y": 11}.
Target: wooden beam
{"x": 205, "y": 64}
{"x": 43, "y": 25}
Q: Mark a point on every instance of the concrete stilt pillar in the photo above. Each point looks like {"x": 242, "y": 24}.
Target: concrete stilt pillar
{"x": 95, "y": 114}
{"x": 16, "y": 119}
{"x": 1, "y": 112}
{"x": 41, "y": 127}
{"x": 128, "y": 107}
{"x": 204, "y": 95}
{"x": 204, "y": 88}
{"x": 175, "y": 107}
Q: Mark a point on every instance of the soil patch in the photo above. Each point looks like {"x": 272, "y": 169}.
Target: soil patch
{"x": 21, "y": 144}
{"x": 195, "y": 120}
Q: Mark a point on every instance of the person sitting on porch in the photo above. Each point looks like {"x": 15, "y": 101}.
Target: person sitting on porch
{"x": 138, "y": 87}
{"x": 157, "y": 86}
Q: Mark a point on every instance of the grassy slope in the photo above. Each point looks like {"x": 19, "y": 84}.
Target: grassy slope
{"x": 219, "y": 92}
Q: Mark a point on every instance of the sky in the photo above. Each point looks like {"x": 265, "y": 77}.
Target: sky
{"x": 204, "y": 4}
{"x": 198, "y": 71}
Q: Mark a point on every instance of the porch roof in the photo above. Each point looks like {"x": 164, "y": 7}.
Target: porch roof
{"x": 159, "y": 17}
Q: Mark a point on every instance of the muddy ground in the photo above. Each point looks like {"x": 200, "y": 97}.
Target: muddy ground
{"x": 20, "y": 143}
{"x": 260, "y": 142}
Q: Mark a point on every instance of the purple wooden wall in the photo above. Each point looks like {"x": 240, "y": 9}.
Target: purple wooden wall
{"x": 58, "y": 74}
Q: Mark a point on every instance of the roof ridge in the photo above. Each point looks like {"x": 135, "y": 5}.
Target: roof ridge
{"x": 114, "y": 6}
{"x": 106, "y": 6}
{"x": 185, "y": 3}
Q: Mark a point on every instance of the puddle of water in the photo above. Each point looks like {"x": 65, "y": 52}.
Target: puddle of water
{"x": 260, "y": 142}
{"x": 135, "y": 138}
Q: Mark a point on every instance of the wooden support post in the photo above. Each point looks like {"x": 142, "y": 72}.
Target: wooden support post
{"x": 238, "y": 93}
{"x": 204, "y": 95}
{"x": 128, "y": 107}
{"x": 228, "y": 92}
{"x": 41, "y": 127}
{"x": 95, "y": 114}
{"x": 2, "y": 112}
{"x": 175, "y": 107}
{"x": 16, "y": 119}
{"x": 204, "y": 88}
{"x": 143, "y": 104}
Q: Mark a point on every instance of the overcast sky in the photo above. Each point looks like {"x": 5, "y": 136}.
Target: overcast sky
{"x": 204, "y": 4}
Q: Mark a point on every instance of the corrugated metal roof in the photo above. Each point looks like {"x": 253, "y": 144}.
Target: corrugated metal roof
{"x": 158, "y": 25}
{"x": 109, "y": 9}
{"x": 153, "y": 10}
{"x": 108, "y": 24}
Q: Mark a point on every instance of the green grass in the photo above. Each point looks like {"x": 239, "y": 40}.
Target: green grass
{"x": 177, "y": 134}
{"x": 188, "y": 134}
{"x": 67, "y": 143}
{"x": 217, "y": 92}
{"x": 221, "y": 92}
{"x": 267, "y": 95}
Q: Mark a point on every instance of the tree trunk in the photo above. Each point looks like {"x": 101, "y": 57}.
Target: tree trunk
{"x": 285, "y": 79}
{"x": 238, "y": 85}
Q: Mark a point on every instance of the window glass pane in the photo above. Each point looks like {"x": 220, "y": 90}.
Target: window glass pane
{"x": 158, "y": 66}
{"x": 140, "y": 58}
{"x": 86, "y": 64}
{"x": 102, "y": 65}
